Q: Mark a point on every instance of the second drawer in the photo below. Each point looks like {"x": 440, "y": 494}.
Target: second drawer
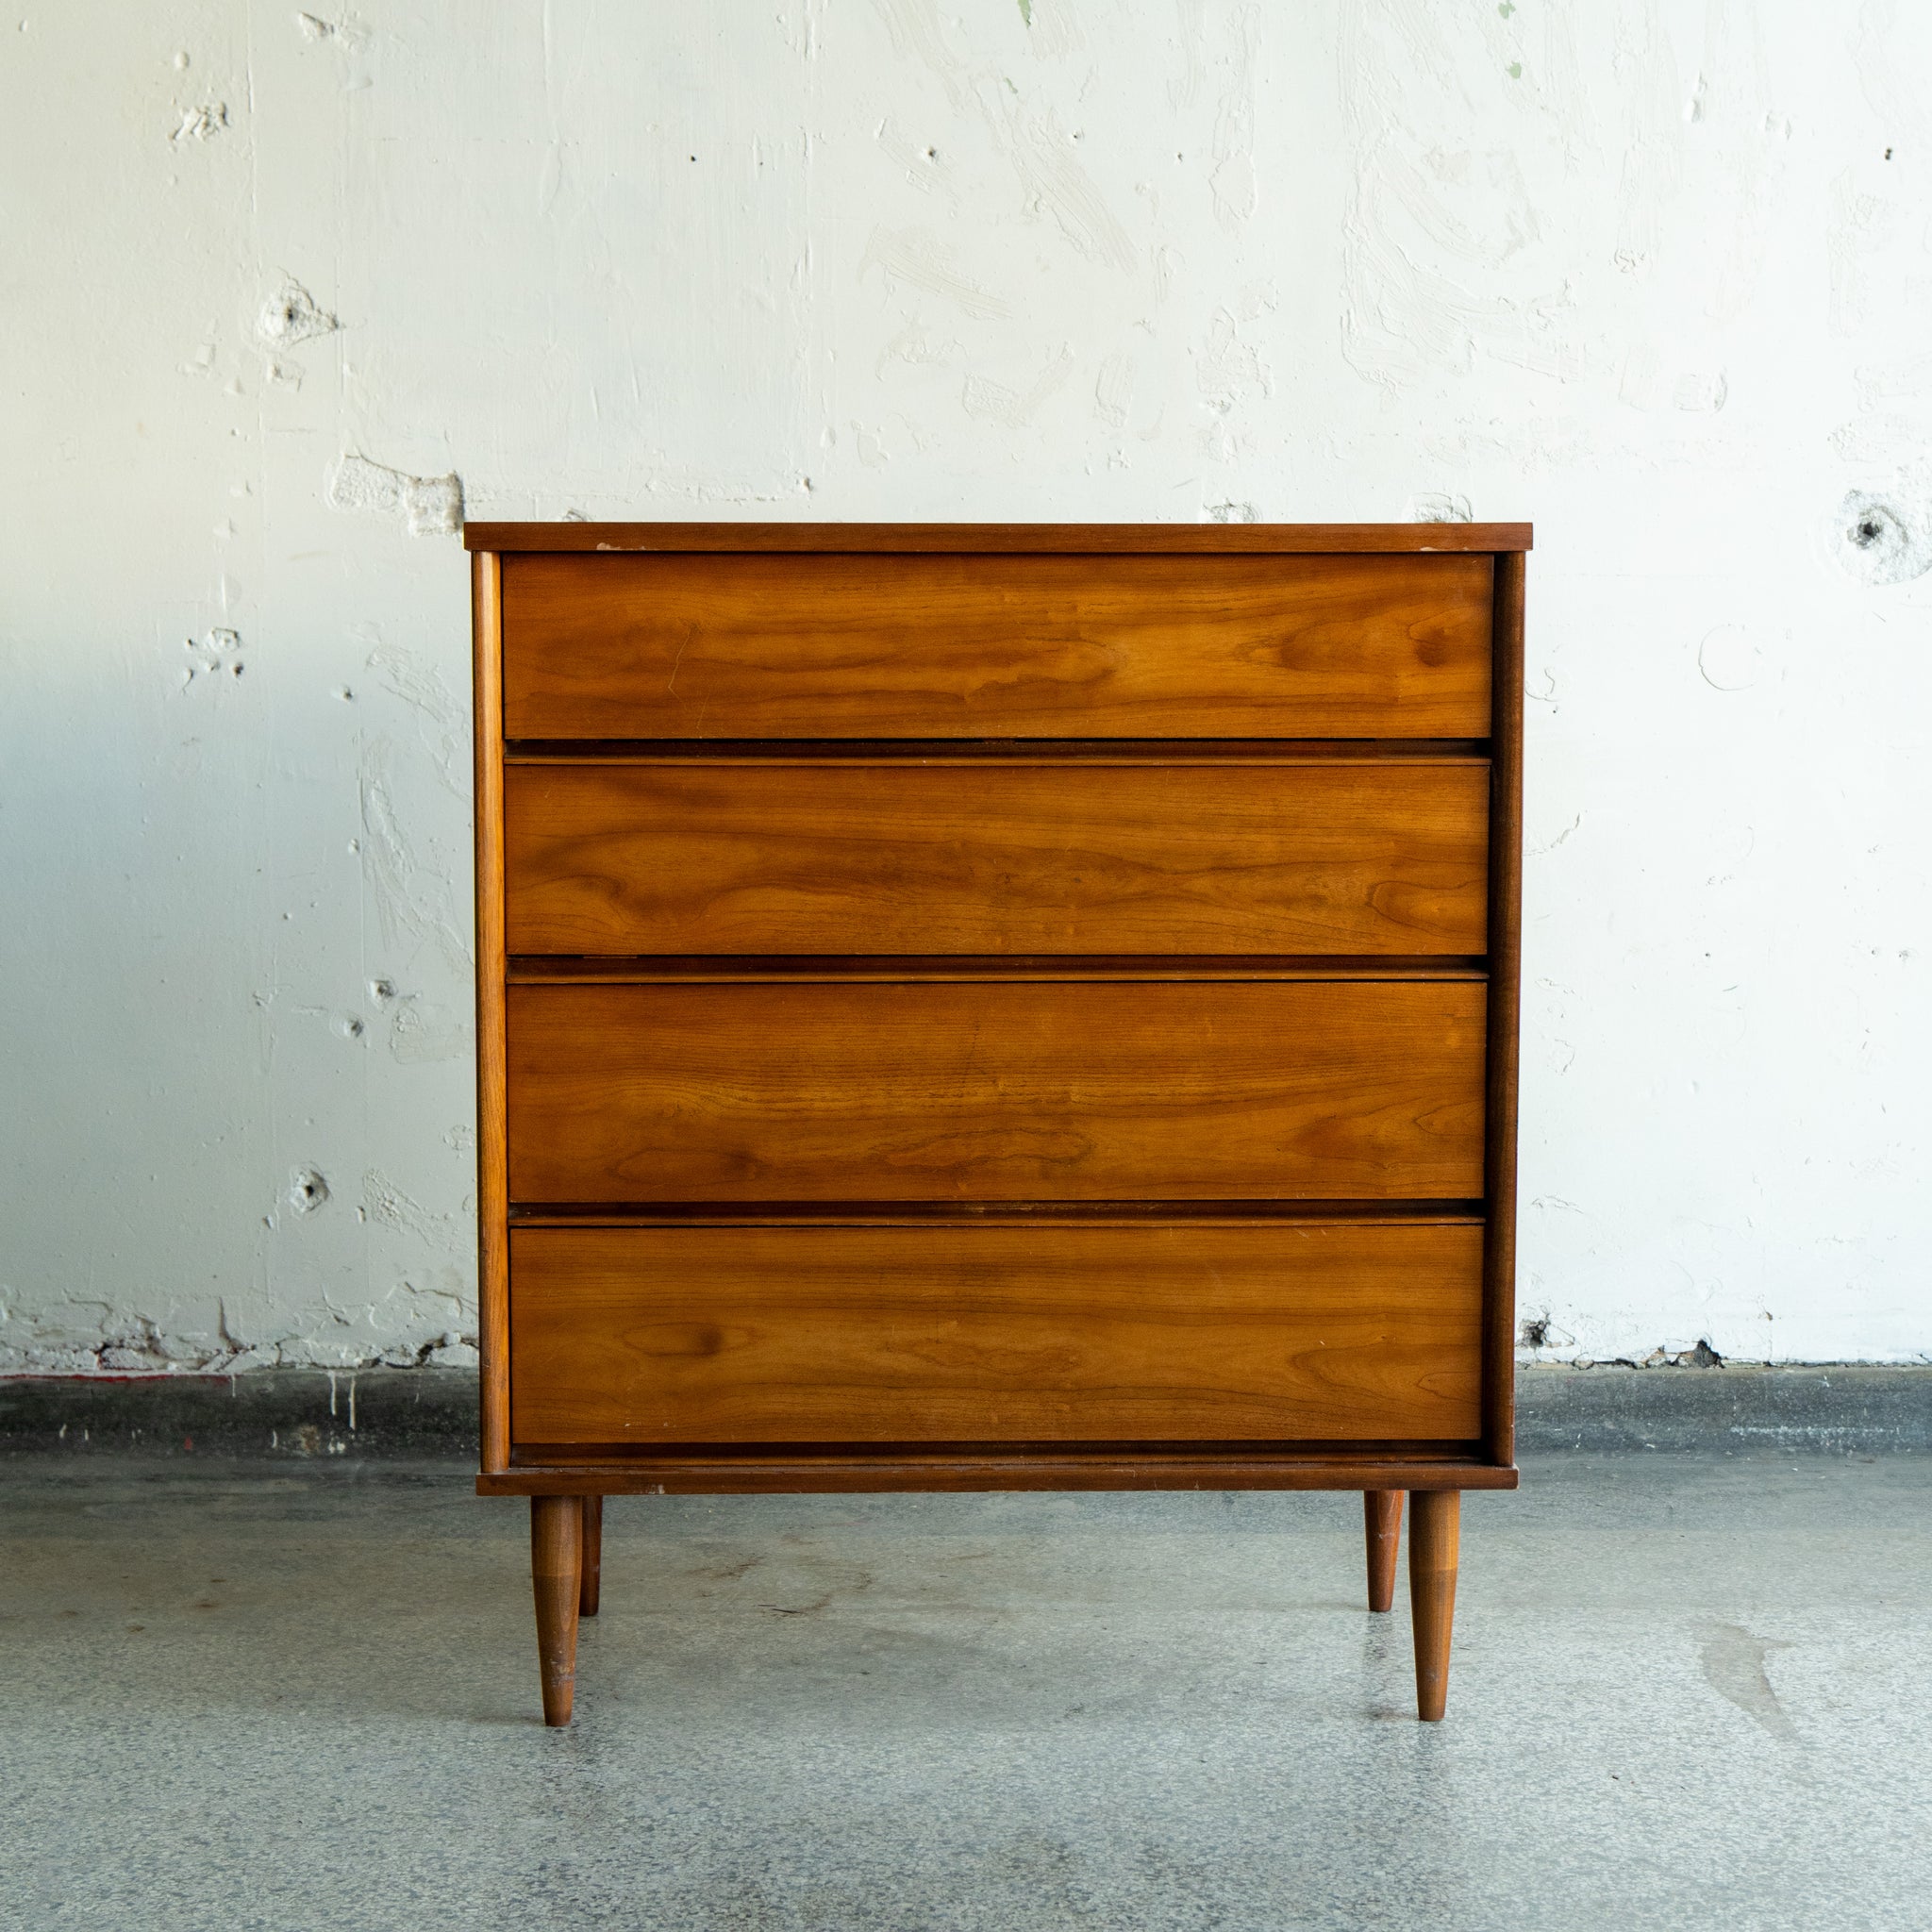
{"x": 1342, "y": 856}
{"x": 1077, "y": 1091}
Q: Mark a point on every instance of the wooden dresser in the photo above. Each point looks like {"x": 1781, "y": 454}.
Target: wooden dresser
{"x": 997, "y": 1006}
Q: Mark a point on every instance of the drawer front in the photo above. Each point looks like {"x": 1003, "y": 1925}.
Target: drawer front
{"x": 1029, "y": 1090}
{"x": 1322, "y": 856}
{"x": 996, "y": 646}
{"x": 1275, "y": 1331}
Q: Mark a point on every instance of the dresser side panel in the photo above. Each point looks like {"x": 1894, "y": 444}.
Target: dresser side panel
{"x": 492, "y": 1188}
{"x": 1505, "y": 1017}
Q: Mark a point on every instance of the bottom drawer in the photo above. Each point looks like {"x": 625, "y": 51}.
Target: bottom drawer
{"x": 982, "y": 1331}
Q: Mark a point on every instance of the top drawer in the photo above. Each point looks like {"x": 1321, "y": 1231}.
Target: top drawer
{"x": 815, "y": 647}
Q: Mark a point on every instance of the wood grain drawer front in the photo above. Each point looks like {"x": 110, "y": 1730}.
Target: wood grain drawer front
{"x": 1275, "y": 1331}
{"x": 1323, "y": 856}
{"x": 996, "y": 646}
{"x": 978, "y": 1091}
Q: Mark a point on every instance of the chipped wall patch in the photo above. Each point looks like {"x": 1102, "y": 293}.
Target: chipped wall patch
{"x": 1232, "y": 184}
{"x": 1882, "y": 539}
{"x": 201, "y": 123}
{"x": 216, "y": 652}
{"x": 442, "y": 716}
{"x": 430, "y": 506}
{"x": 415, "y": 899}
{"x": 994, "y": 402}
{"x": 448, "y": 1234}
{"x": 420, "y": 1033}
{"x": 914, "y": 256}
{"x": 307, "y": 1191}
{"x": 289, "y": 314}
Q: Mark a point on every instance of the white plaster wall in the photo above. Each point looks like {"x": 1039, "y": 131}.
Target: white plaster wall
{"x": 1653, "y": 274}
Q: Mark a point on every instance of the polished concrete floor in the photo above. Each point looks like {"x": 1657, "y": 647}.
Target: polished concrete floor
{"x": 1687, "y": 1692}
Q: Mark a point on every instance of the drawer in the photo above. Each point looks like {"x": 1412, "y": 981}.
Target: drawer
{"x": 667, "y": 646}
{"x": 978, "y": 1333}
{"x": 915, "y": 857}
{"x": 997, "y": 1091}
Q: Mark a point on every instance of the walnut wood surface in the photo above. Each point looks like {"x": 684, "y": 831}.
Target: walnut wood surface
{"x": 1434, "y": 1535}
{"x": 1506, "y": 949}
{"x": 492, "y": 1192}
{"x": 1079, "y": 540}
{"x": 882, "y": 1469}
{"x": 962, "y": 1091}
{"x": 556, "y": 1544}
{"x": 1161, "y": 647}
{"x": 1350, "y": 857}
{"x": 978, "y": 1332}
{"x": 1382, "y": 1527}
{"x": 934, "y": 646}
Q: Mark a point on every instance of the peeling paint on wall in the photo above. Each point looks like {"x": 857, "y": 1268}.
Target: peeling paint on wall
{"x": 289, "y": 314}
{"x": 307, "y": 1191}
{"x": 913, "y": 258}
{"x": 414, "y": 895}
{"x": 1884, "y": 539}
{"x": 430, "y": 506}
{"x": 201, "y": 123}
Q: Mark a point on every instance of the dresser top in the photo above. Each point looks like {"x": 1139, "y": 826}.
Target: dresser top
{"x": 1077, "y": 540}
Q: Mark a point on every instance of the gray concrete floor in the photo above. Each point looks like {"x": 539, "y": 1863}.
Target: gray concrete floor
{"x": 1687, "y": 1692}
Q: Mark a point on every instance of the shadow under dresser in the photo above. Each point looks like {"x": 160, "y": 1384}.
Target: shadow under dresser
{"x": 987, "y": 1006}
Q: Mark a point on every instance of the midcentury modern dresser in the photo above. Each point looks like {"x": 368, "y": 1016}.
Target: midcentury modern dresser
{"x": 997, "y": 1006}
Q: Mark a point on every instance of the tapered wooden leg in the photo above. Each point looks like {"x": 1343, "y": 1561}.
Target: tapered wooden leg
{"x": 1382, "y": 1521}
{"x": 1434, "y": 1523}
{"x": 594, "y": 1555}
{"x": 557, "y": 1549}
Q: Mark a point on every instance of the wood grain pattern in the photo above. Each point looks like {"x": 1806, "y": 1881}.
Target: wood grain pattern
{"x": 493, "y": 1188}
{"x": 1053, "y": 647}
{"x": 1505, "y": 970}
{"x": 1434, "y": 1542}
{"x": 972, "y": 1332}
{"x": 1317, "y": 857}
{"x": 1079, "y": 539}
{"x": 1382, "y": 1532}
{"x": 932, "y": 647}
{"x": 727, "y": 1471}
{"x": 963, "y": 1092}
{"x": 557, "y": 1548}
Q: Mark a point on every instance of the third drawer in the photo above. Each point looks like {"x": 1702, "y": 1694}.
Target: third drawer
{"x": 1029, "y": 1090}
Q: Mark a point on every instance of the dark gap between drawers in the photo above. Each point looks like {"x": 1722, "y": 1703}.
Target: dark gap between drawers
{"x": 533, "y": 968}
{"x": 726, "y": 1213}
{"x": 1160, "y": 751}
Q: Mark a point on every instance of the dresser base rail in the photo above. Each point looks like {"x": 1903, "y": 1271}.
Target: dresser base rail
{"x": 754, "y": 1476}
